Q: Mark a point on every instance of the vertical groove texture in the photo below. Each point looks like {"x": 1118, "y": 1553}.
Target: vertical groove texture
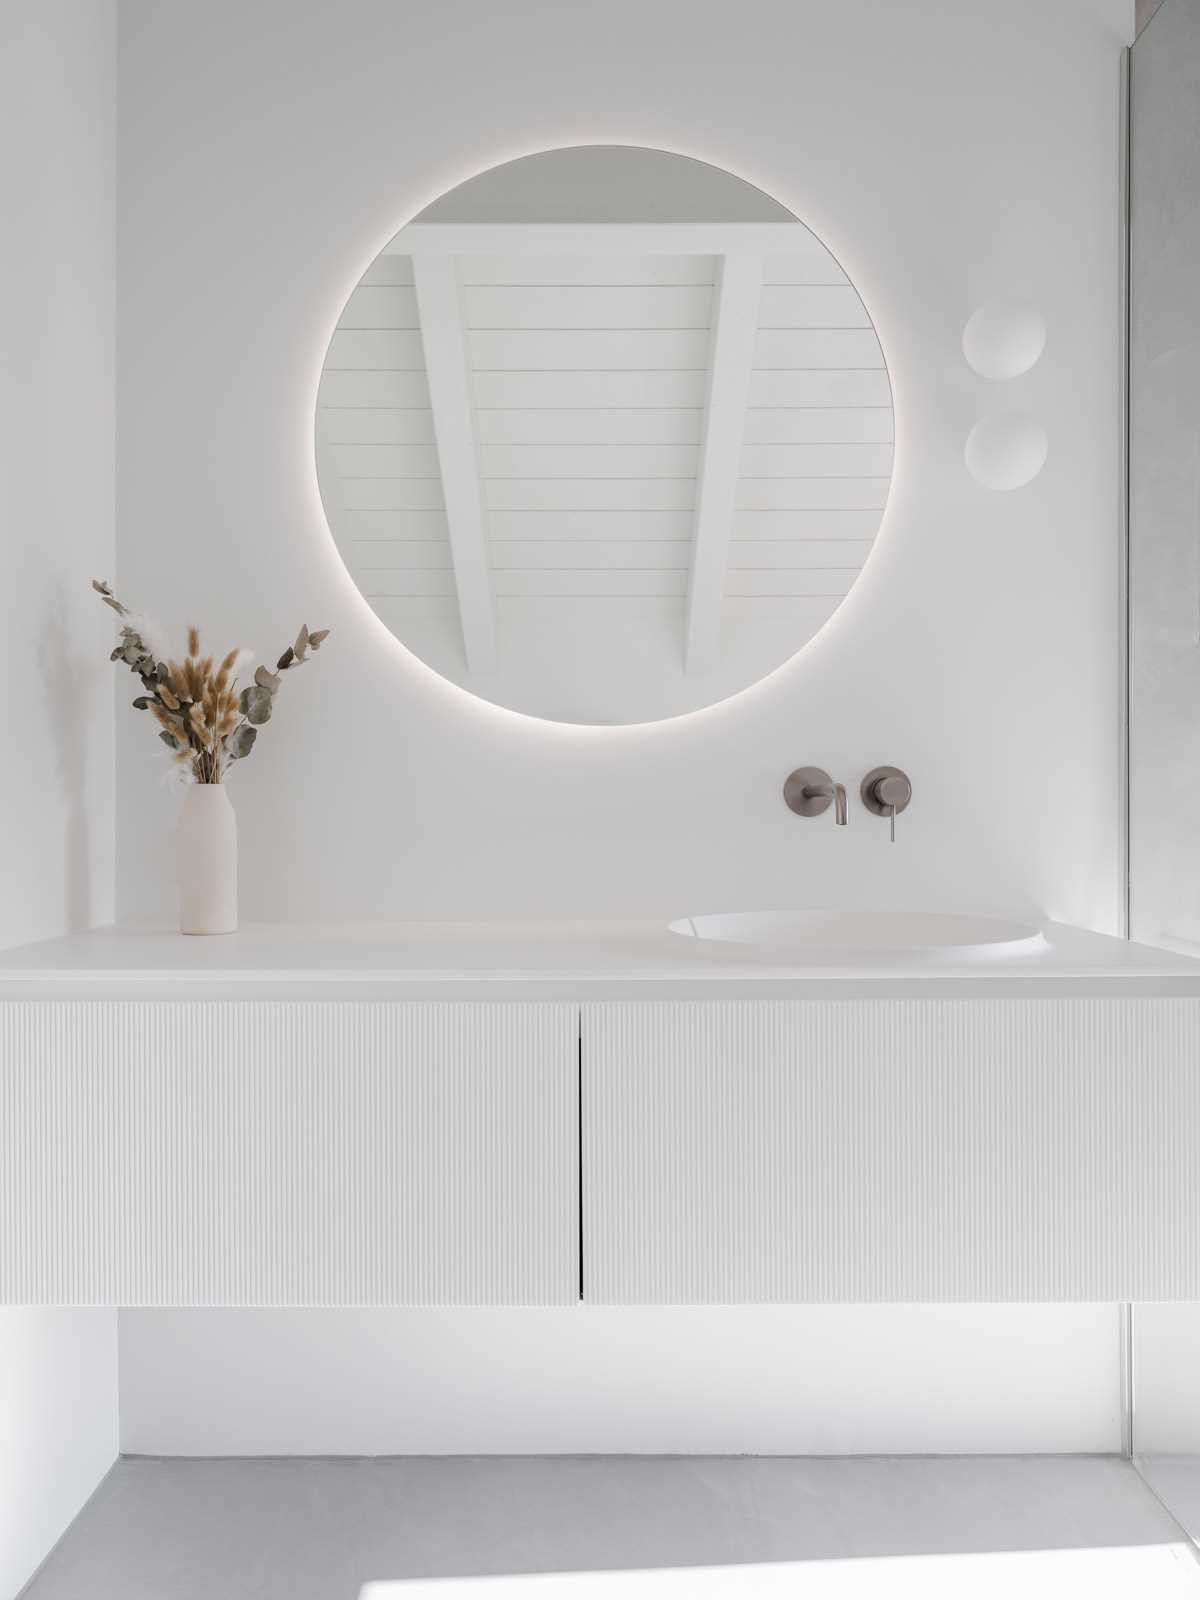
{"x": 892, "y": 1150}
{"x": 288, "y": 1153}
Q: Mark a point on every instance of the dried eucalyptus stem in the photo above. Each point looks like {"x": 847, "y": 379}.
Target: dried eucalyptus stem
{"x": 203, "y": 718}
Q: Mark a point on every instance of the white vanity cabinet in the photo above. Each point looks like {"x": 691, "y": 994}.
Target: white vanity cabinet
{"x": 891, "y": 1149}
{"x": 225, "y": 1152}
{"x": 532, "y": 1118}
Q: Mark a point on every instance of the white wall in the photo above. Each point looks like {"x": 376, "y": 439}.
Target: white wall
{"x": 1167, "y": 1378}
{"x": 57, "y": 149}
{"x": 58, "y": 1426}
{"x": 787, "y": 1380}
{"x": 946, "y": 153}
{"x": 58, "y": 1368}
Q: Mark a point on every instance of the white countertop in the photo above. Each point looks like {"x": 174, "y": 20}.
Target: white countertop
{"x": 557, "y": 960}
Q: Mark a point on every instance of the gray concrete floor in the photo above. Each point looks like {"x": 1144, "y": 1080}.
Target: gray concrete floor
{"x": 1176, "y": 1481}
{"x": 303, "y": 1529}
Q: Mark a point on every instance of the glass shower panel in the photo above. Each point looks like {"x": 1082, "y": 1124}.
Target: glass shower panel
{"x": 1164, "y": 477}
{"x": 1164, "y": 636}
{"x": 1166, "y": 1400}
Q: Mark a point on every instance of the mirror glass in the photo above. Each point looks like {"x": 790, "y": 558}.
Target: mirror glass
{"x": 604, "y": 435}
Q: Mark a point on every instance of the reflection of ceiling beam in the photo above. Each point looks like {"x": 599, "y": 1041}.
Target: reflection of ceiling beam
{"x": 450, "y": 397}
{"x": 735, "y": 322}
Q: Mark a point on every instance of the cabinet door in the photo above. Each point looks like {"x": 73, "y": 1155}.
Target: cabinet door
{"x": 867, "y": 1150}
{"x": 288, "y": 1153}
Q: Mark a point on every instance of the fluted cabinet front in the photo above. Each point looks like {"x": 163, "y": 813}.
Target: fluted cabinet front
{"x": 891, "y": 1150}
{"x": 288, "y": 1153}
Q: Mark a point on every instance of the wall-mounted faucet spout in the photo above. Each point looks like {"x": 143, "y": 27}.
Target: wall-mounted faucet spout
{"x": 810, "y": 790}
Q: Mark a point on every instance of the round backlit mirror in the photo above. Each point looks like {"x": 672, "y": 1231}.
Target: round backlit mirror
{"x": 604, "y": 435}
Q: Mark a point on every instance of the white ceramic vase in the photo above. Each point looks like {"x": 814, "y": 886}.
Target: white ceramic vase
{"x": 207, "y": 859}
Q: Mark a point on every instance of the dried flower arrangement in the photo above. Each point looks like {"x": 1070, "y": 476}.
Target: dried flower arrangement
{"x": 204, "y": 720}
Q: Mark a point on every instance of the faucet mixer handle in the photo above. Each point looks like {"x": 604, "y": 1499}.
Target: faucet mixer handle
{"x": 885, "y": 792}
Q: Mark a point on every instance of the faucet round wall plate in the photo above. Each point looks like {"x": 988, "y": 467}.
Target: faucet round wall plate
{"x": 875, "y": 802}
{"x": 604, "y": 435}
{"x": 798, "y": 787}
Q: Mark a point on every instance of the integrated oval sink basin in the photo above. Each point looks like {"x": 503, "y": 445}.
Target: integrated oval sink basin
{"x": 808, "y": 936}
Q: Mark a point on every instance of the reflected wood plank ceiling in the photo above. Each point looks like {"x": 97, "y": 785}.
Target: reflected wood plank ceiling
{"x": 593, "y": 409}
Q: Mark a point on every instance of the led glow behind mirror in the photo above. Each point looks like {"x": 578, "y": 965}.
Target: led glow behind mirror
{"x": 604, "y": 435}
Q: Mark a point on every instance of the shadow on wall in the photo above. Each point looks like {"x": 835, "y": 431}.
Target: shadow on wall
{"x": 68, "y": 679}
